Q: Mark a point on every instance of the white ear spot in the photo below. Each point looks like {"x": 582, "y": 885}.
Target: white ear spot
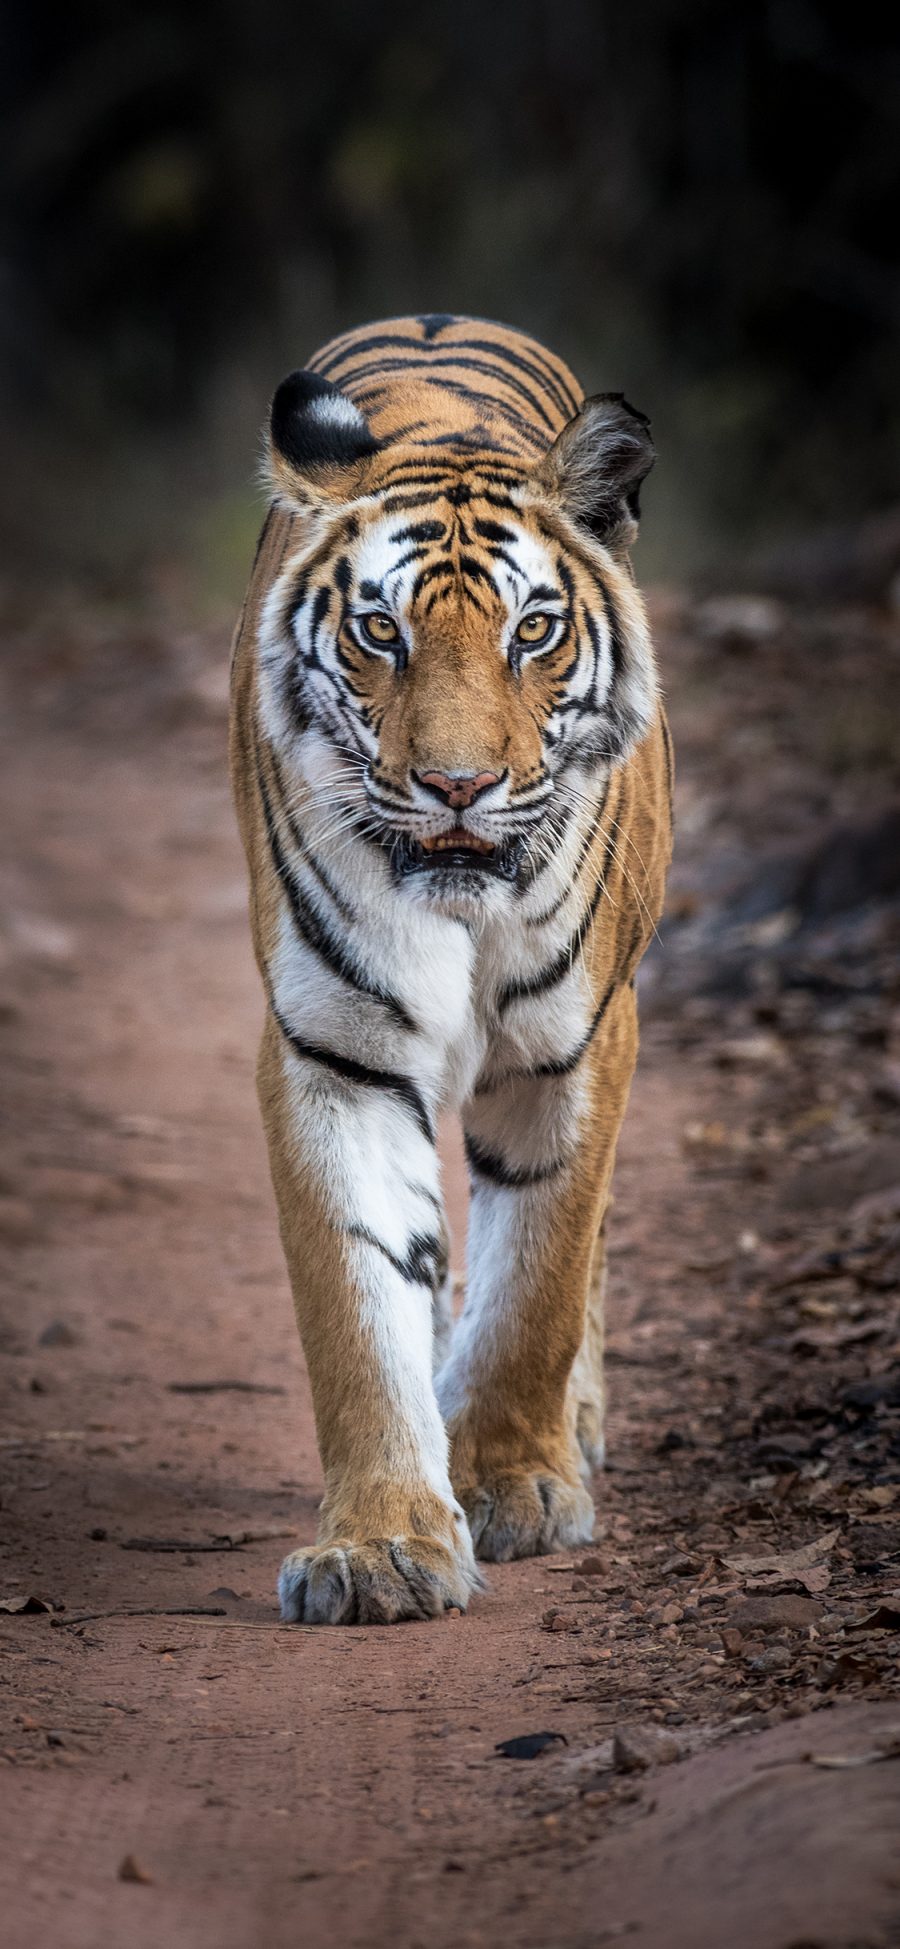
{"x": 334, "y": 410}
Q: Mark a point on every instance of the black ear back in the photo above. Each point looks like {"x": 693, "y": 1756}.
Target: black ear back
{"x": 315, "y": 428}
{"x": 597, "y": 464}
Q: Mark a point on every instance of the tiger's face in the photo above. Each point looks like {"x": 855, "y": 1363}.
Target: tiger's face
{"x": 457, "y": 644}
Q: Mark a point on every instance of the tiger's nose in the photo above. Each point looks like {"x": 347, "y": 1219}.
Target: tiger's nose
{"x": 457, "y": 788}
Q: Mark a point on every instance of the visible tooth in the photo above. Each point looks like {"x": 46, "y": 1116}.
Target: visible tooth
{"x": 456, "y": 841}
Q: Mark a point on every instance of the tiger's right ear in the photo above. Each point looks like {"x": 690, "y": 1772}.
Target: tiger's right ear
{"x": 319, "y": 442}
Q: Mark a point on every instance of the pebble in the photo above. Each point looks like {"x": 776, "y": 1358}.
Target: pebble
{"x": 58, "y": 1334}
{"x": 637, "y": 1747}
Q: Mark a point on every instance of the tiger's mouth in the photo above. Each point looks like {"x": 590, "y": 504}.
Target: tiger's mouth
{"x": 457, "y": 850}
{"x": 457, "y": 840}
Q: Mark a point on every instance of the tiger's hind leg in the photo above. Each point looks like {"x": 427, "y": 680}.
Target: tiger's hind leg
{"x": 587, "y": 1392}
{"x": 442, "y": 1307}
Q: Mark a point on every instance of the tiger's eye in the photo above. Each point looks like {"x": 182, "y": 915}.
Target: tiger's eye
{"x": 534, "y": 629}
{"x": 380, "y": 628}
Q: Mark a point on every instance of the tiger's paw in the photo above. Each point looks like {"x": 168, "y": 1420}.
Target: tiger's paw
{"x": 382, "y": 1582}
{"x": 527, "y": 1512}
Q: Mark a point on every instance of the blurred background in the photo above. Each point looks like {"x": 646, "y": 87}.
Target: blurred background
{"x": 691, "y": 201}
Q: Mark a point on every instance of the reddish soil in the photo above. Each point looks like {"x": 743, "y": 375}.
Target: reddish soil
{"x": 176, "y": 1766}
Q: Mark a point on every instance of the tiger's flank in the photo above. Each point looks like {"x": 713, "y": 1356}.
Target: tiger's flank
{"x": 453, "y": 778}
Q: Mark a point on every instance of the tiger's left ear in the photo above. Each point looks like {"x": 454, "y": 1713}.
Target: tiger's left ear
{"x": 596, "y": 466}
{"x": 319, "y": 442}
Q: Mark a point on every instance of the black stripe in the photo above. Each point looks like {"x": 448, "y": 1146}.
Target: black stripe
{"x": 566, "y": 1064}
{"x": 435, "y": 322}
{"x": 633, "y": 951}
{"x": 317, "y": 934}
{"x": 495, "y": 531}
{"x": 357, "y": 1072}
{"x": 539, "y": 920}
{"x": 420, "y": 531}
{"x": 565, "y": 960}
{"x": 536, "y": 366}
{"x": 422, "y": 1191}
{"x": 399, "y": 500}
{"x": 669, "y": 757}
{"x": 427, "y": 366}
{"x": 457, "y": 363}
{"x": 424, "y": 1262}
{"x": 325, "y": 881}
{"x": 476, "y": 398}
{"x": 614, "y": 625}
{"x": 476, "y": 442}
{"x": 512, "y": 1177}
{"x": 479, "y": 399}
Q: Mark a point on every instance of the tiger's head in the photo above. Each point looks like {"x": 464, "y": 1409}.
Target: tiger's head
{"x": 456, "y": 645}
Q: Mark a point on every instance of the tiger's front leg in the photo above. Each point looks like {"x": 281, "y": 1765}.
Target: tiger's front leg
{"x": 362, "y": 1227}
{"x": 541, "y": 1153}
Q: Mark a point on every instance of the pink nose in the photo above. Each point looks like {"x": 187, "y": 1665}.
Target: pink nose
{"x": 458, "y": 788}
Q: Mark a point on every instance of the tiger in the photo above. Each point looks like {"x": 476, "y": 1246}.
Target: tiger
{"x": 453, "y": 779}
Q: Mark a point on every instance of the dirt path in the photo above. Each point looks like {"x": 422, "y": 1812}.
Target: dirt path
{"x": 281, "y": 1786}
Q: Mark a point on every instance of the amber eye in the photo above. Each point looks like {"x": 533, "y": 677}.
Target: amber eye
{"x": 380, "y": 629}
{"x": 534, "y": 629}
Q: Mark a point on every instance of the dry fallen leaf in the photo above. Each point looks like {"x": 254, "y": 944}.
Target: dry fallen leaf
{"x": 804, "y": 1566}
{"x": 885, "y": 1617}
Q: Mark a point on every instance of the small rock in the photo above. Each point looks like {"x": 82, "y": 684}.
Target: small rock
{"x": 733, "y": 1641}
{"x": 637, "y": 1747}
{"x": 556, "y": 1620}
{"x": 98, "y": 1535}
{"x": 58, "y": 1334}
{"x": 776, "y": 1659}
{"x": 590, "y": 1566}
{"x": 770, "y": 1613}
{"x": 591, "y": 1767}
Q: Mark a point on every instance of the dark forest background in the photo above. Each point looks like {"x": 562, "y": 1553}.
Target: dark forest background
{"x": 696, "y": 203}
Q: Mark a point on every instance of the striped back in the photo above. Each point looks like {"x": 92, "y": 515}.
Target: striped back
{"x": 457, "y": 383}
